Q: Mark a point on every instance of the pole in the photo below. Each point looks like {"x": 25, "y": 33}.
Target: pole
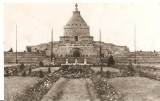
{"x": 16, "y": 44}
{"x": 100, "y": 44}
{"x": 100, "y": 52}
{"x": 52, "y": 45}
{"x": 135, "y": 43}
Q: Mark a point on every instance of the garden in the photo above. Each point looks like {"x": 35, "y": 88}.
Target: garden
{"x": 72, "y": 82}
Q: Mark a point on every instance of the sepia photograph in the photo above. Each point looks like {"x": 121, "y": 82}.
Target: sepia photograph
{"x": 81, "y": 51}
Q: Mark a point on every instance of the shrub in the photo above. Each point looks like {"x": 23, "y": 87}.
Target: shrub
{"x": 130, "y": 70}
{"x": 15, "y": 71}
{"x": 41, "y": 75}
{"x": 7, "y": 73}
{"x": 22, "y": 66}
{"x": 108, "y": 74}
{"x": 11, "y": 50}
{"x": 41, "y": 63}
{"x": 49, "y": 70}
{"x": 30, "y": 71}
{"x": 24, "y": 74}
{"x": 111, "y": 61}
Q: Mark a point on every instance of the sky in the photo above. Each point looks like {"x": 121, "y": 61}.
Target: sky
{"x": 115, "y": 20}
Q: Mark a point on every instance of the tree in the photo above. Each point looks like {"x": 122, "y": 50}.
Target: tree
{"x": 49, "y": 70}
{"x": 111, "y": 61}
{"x": 28, "y": 48}
{"x": 11, "y": 50}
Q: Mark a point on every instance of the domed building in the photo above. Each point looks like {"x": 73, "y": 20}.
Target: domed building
{"x": 77, "y": 42}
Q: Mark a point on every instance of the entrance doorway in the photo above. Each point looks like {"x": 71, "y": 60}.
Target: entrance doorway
{"x": 76, "y": 38}
{"x": 76, "y": 53}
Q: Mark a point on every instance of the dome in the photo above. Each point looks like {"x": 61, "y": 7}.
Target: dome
{"x": 76, "y": 19}
{"x": 76, "y": 26}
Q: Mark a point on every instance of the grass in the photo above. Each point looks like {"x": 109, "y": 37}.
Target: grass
{"x": 150, "y": 65}
{"x": 11, "y": 65}
{"x": 45, "y": 69}
{"x": 96, "y": 69}
{"x": 14, "y": 85}
{"x": 38, "y": 90}
{"x": 137, "y": 88}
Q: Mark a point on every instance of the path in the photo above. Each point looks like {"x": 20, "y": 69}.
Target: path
{"x": 72, "y": 90}
{"x": 75, "y": 90}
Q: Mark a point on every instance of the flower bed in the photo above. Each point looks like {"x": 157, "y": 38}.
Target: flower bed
{"x": 17, "y": 70}
{"x": 148, "y": 74}
{"x": 56, "y": 91}
{"x": 38, "y": 90}
{"x": 151, "y": 72}
{"x": 105, "y": 91}
{"x": 75, "y": 71}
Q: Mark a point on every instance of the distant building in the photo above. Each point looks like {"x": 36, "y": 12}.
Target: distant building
{"x": 77, "y": 42}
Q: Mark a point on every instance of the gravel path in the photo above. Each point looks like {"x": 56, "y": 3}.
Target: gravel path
{"x": 72, "y": 90}
{"x": 75, "y": 90}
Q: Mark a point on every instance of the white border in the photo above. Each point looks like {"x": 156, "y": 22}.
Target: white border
{"x": 1, "y": 50}
{"x": 46, "y": 1}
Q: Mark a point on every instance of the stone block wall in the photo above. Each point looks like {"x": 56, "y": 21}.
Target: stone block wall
{"x": 24, "y": 57}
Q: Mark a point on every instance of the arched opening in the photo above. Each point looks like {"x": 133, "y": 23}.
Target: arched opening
{"x": 76, "y": 53}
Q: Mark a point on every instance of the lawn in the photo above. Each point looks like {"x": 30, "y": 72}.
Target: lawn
{"x": 14, "y": 85}
{"x": 45, "y": 69}
{"x": 96, "y": 69}
{"x": 10, "y": 65}
{"x": 137, "y": 88}
{"x": 150, "y": 65}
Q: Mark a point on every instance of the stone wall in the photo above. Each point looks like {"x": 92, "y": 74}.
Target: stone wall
{"x": 24, "y": 57}
{"x": 76, "y": 31}
{"x": 31, "y": 57}
{"x": 66, "y": 50}
{"x": 141, "y": 58}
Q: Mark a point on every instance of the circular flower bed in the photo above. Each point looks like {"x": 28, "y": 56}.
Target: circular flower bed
{"x": 76, "y": 71}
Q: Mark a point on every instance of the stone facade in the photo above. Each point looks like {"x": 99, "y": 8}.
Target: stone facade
{"x": 77, "y": 42}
